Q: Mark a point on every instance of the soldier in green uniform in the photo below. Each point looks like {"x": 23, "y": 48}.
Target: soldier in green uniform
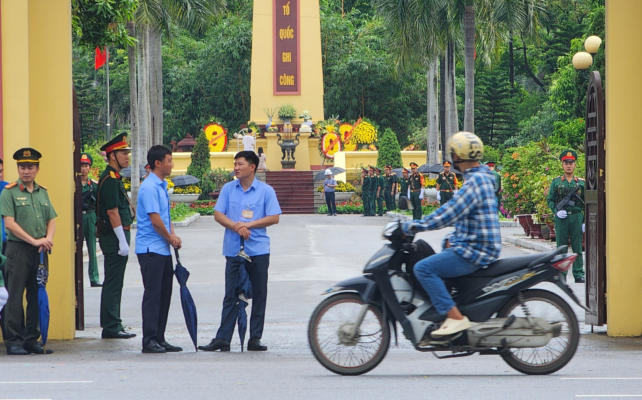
{"x": 498, "y": 178}
{"x": 380, "y": 189}
{"x": 446, "y": 184}
{"x": 365, "y": 191}
{"x": 569, "y": 221}
{"x": 390, "y": 188}
{"x": 113, "y": 226}
{"x": 88, "y": 231}
{"x": 404, "y": 182}
{"x": 373, "y": 191}
{"x": 416, "y": 189}
{"x": 29, "y": 219}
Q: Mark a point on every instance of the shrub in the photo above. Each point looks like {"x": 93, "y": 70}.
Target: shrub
{"x": 200, "y": 164}
{"x": 99, "y": 163}
{"x": 389, "y": 150}
{"x": 287, "y": 111}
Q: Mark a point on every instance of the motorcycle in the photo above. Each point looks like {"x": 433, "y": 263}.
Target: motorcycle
{"x": 535, "y": 331}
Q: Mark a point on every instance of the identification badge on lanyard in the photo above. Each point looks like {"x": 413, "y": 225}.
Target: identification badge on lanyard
{"x": 248, "y": 214}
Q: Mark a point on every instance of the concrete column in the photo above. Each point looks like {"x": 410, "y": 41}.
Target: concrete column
{"x": 623, "y": 216}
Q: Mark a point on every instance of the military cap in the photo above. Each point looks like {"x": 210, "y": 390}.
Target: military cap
{"x": 568, "y": 155}
{"x": 27, "y": 155}
{"x": 414, "y": 164}
{"x": 388, "y": 167}
{"x": 117, "y": 143}
{"x": 447, "y": 164}
{"x": 377, "y": 169}
{"x": 371, "y": 168}
{"x": 86, "y": 159}
{"x": 490, "y": 162}
{"x": 406, "y": 170}
{"x": 364, "y": 169}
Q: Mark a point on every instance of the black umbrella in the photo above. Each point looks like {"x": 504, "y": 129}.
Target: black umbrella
{"x": 321, "y": 174}
{"x": 243, "y": 291}
{"x": 184, "y": 180}
{"x": 189, "y": 308}
{"x": 398, "y": 172}
{"x": 435, "y": 169}
{"x": 127, "y": 172}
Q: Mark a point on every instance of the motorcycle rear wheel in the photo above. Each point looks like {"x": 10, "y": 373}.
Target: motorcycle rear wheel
{"x": 338, "y": 353}
{"x": 559, "y": 350}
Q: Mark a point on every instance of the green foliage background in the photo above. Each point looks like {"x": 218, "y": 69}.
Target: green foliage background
{"x": 389, "y": 150}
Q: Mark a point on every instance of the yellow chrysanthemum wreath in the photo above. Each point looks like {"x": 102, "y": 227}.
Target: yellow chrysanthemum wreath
{"x": 365, "y": 133}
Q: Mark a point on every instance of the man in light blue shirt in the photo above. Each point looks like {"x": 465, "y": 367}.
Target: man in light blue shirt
{"x": 245, "y": 208}
{"x": 154, "y": 236}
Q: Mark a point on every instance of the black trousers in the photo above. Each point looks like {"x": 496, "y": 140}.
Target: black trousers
{"x": 157, "y": 271}
{"x": 329, "y": 200}
{"x": 258, "y": 273}
{"x": 20, "y": 273}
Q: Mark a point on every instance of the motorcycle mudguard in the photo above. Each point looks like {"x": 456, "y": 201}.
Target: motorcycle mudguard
{"x": 361, "y": 284}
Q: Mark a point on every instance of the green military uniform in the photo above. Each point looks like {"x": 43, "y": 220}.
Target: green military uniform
{"x": 373, "y": 193}
{"x": 404, "y": 182}
{"x": 88, "y": 231}
{"x": 381, "y": 183}
{"x": 571, "y": 226}
{"x": 112, "y": 195}
{"x": 365, "y": 194}
{"x": 390, "y": 183}
{"x": 498, "y": 179}
{"x": 447, "y": 185}
{"x": 32, "y": 211}
{"x": 416, "y": 186}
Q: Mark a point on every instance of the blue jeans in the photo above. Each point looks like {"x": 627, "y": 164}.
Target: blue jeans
{"x": 430, "y": 272}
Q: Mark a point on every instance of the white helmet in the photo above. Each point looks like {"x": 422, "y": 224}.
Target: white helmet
{"x": 328, "y": 172}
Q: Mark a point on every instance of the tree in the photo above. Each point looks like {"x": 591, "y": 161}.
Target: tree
{"x": 200, "y": 165}
{"x": 494, "y": 108}
{"x": 469, "y": 50}
{"x": 389, "y": 150}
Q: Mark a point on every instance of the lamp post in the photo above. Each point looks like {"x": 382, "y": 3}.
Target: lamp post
{"x": 583, "y": 60}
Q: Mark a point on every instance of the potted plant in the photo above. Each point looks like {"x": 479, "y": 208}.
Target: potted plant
{"x": 218, "y": 178}
{"x": 185, "y": 194}
{"x": 287, "y": 112}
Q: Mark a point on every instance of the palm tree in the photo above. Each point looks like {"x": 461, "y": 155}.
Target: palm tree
{"x": 469, "y": 56}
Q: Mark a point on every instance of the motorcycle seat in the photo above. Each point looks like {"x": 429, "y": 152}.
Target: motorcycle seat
{"x": 511, "y": 264}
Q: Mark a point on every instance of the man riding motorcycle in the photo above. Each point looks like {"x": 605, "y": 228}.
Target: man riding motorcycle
{"x": 476, "y": 241}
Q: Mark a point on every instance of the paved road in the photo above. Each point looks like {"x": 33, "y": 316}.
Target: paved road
{"x": 309, "y": 254}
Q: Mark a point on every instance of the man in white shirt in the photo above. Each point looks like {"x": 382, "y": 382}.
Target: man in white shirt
{"x": 249, "y": 142}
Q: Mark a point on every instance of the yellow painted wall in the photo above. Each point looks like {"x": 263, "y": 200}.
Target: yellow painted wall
{"x": 182, "y": 160}
{"x": 261, "y": 89}
{"x": 37, "y": 111}
{"x": 623, "y": 88}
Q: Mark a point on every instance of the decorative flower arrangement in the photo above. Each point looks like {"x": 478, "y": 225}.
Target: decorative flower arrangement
{"x": 342, "y": 187}
{"x": 170, "y": 185}
{"x": 287, "y": 111}
{"x": 346, "y": 130}
{"x": 365, "y": 133}
{"x": 330, "y": 142}
{"x": 430, "y": 183}
{"x": 127, "y": 183}
{"x": 189, "y": 189}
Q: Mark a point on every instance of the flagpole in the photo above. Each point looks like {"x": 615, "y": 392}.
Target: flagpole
{"x": 108, "y": 112}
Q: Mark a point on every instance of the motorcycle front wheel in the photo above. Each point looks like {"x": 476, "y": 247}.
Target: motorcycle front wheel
{"x": 332, "y": 344}
{"x": 559, "y": 350}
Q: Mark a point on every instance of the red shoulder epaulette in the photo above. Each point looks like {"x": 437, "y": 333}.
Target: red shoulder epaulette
{"x": 12, "y": 184}
{"x": 114, "y": 174}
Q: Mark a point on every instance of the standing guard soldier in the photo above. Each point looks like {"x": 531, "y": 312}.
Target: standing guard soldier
{"x": 404, "y": 182}
{"x": 446, "y": 184}
{"x": 365, "y": 191}
{"x": 88, "y": 231}
{"x": 380, "y": 189}
{"x": 416, "y": 186}
{"x": 390, "y": 188}
{"x": 569, "y": 220}
{"x": 373, "y": 191}
{"x": 498, "y": 178}
{"x": 29, "y": 219}
{"x": 113, "y": 226}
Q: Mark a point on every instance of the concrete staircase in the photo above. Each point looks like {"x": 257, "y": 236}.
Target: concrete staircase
{"x": 294, "y": 189}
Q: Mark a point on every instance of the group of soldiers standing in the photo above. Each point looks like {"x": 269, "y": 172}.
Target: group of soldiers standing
{"x": 377, "y": 189}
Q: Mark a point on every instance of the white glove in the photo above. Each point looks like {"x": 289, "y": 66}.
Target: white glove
{"x": 4, "y": 296}
{"x": 582, "y": 228}
{"x": 123, "y": 246}
{"x": 438, "y": 196}
{"x": 421, "y": 194}
{"x": 561, "y": 214}
{"x": 408, "y": 197}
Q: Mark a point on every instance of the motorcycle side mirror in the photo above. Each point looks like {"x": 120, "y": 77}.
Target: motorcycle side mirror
{"x": 405, "y": 204}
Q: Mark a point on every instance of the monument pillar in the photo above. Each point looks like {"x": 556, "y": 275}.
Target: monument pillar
{"x": 286, "y": 59}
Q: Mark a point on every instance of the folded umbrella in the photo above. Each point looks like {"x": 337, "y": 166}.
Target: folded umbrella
{"x": 184, "y": 180}
{"x": 43, "y": 299}
{"x": 243, "y": 291}
{"x": 187, "y": 302}
{"x": 321, "y": 174}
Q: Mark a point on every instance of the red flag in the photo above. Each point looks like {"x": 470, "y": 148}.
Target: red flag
{"x": 101, "y": 58}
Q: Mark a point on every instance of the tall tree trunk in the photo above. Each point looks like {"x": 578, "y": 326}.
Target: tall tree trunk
{"x": 442, "y": 105}
{"x": 452, "y": 120}
{"x": 133, "y": 109}
{"x": 511, "y": 64}
{"x": 144, "y": 123}
{"x": 469, "y": 51}
{"x": 156, "y": 86}
{"x": 432, "y": 155}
